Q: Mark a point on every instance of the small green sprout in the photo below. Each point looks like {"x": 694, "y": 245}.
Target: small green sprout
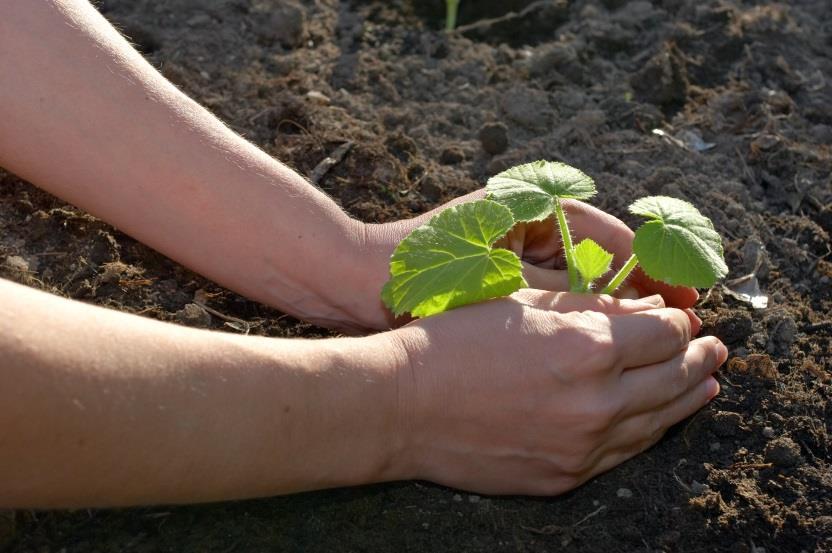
{"x": 451, "y": 260}
{"x": 451, "y": 11}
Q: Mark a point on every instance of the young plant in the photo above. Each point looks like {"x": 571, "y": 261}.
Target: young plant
{"x": 451, "y": 261}
{"x": 451, "y": 11}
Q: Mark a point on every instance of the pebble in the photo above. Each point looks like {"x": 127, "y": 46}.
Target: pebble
{"x": 193, "y": 315}
{"x": 317, "y": 97}
{"x": 726, "y": 423}
{"x": 783, "y": 452}
{"x": 624, "y": 493}
{"x": 474, "y": 499}
{"x": 494, "y": 138}
{"x": 451, "y": 156}
{"x": 768, "y": 432}
{"x": 698, "y": 488}
{"x": 457, "y": 497}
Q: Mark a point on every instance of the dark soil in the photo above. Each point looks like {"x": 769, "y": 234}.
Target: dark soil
{"x": 432, "y": 116}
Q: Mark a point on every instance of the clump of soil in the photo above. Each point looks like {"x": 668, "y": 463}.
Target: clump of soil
{"x": 742, "y": 90}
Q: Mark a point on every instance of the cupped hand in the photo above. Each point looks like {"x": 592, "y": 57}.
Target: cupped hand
{"x": 539, "y": 245}
{"x": 539, "y": 392}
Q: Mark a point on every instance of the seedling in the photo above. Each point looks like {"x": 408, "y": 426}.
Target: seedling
{"x": 451, "y": 260}
{"x": 451, "y": 10}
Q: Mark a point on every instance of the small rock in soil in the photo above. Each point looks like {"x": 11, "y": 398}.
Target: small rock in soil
{"x": 474, "y": 499}
{"x": 726, "y": 423}
{"x": 783, "y": 452}
{"x": 768, "y": 432}
{"x": 624, "y": 493}
{"x": 494, "y": 138}
{"x": 716, "y": 446}
{"x": 699, "y": 488}
{"x": 451, "y": 156}
{"x": 663, "y": 80}
{"x": 283, "y": 23}
{"x": 457, "y": 497}
{"x": 193, "y": 315}
{"x": 733, "y": 327}
{"x": 782, "y": 337}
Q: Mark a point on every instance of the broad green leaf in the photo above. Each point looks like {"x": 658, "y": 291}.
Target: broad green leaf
{"x": 449, "y": 262}
{"x": 679, "y": 245}
{"x": 530, "y": 191}
{"x": 592, "y": 261}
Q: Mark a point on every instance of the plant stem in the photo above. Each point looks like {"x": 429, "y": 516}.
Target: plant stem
{"x": 569, "y": 250}
{"x": 621, "y": 275}
{"x": 451, "y": 10}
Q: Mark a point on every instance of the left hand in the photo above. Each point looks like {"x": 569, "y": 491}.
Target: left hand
{"x": 539, "y": 245}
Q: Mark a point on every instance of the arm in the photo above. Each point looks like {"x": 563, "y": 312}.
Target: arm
{"x": 100, "y": 408}
{"x": 85, "y": 117}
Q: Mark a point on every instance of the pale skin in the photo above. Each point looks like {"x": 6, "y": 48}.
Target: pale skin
{"x": 532, "y": 394}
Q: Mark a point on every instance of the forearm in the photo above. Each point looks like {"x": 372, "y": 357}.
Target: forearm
{"x": 103, "y": 408}
{"x": 85, "y": 117}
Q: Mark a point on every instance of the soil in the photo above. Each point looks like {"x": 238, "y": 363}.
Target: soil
{"x": 742, "y": 92}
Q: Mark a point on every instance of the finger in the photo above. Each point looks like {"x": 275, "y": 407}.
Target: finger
{"x": 695, "y": 322}
{"x": 545, "y": 279}
{"x": 617, "y": 238}
{"x": 639, "y": 433}
{"x": 648, "y": 337}
{"x": 676, "y": 296}
{"x": 653, "y": 386}
{"x": 567, "y": 302}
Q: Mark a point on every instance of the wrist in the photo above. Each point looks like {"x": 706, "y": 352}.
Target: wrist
{"x": 380, "y": 416}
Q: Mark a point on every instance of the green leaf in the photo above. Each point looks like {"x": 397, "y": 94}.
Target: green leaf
{"x": 679, "y": 245}
{"x": 592, "y": 261}
{"x": 531, "y": 190}
{"x": 449, "y": 262}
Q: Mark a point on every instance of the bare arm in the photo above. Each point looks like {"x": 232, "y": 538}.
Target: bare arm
{"x": 85, "y": 117}
{"x": 533, "y": 394}
{"x": 100, "y": 408}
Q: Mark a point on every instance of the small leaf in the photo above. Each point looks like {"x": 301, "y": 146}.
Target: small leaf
{"x": 449, "y": 261}
{"x": 592, "y": 261}
{"x": 531, "y": 190}
{"x": 679, "y": 245}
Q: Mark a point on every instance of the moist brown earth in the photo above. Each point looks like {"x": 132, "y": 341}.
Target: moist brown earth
{"x": 743, "y": 88}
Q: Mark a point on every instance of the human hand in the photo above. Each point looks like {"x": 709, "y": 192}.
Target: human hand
{"x": 539, "y": 245}
{"x": 537, "y": 393}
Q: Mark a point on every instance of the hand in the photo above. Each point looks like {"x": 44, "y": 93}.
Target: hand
{"x": 537, "y": 393}
{"x": 539, "y": 245}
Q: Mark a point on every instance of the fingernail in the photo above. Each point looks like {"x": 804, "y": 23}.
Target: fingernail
{"x": 721, "y": 353}
{"x": 655, "y": 300}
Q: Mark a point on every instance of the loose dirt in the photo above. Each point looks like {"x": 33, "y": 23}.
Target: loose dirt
{"x": 742, "y": 92}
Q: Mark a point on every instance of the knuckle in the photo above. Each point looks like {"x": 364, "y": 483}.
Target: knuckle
{"x": 678, "y": 328}
{"x": 606, "y": 302}
{"x": 573, "y": 466}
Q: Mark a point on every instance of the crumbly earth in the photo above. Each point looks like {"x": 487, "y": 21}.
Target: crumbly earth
{"x": 742, "y": 92}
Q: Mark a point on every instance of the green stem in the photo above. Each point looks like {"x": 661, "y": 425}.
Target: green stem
{"x": 568, "y": 249}
{"x": 451, "y": 9}
{"x": 621, "y": 275}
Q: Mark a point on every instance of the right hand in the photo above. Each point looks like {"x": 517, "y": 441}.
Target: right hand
{"x": 537, "y": 393}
